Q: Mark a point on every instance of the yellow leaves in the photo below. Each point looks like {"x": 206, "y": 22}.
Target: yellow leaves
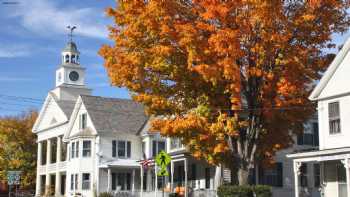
{"x": 220, "y": 148}
{"x": 308, "y": 17}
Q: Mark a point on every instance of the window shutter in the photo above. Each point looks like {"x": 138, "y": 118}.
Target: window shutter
{"x": 261, "y": 175}
{"x": 300, "y": 139}
{"x": 114, "y": 185}
{"x": 315, "y": 131}
{"x": 114, "y": 148}
{"x": 128, "y": 149}
{"x": 279, "y": 169}
{"x": 193, "y": 172}
{"x": 154, "y": 148}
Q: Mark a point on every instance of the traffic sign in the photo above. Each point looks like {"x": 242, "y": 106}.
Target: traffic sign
{"x": 14, "y": 177}
{"x": 163, "y": 159}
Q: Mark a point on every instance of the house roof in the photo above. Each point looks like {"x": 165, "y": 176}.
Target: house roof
{"x": 114, "y": 114}
{"x": 330, "y": 71}
{"x": 66, "y": 106}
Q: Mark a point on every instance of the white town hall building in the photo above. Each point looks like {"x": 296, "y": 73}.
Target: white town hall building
{"x": 89, "y": 144}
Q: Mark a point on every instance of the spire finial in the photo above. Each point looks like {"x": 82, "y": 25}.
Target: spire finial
{"x": 71, "y": 29}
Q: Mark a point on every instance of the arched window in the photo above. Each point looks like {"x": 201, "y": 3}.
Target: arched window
{"x": 77, "y": 58}
{"x": 73, "y": 58}
{"x": 67, "y": 59}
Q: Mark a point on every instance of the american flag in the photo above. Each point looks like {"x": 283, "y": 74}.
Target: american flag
{"x": 145, "y": 162}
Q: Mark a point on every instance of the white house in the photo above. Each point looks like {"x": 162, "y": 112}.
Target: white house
{"x": 332, "y": 95}
{"x": 89, "y": 144}
{"x": 281, "y": 176}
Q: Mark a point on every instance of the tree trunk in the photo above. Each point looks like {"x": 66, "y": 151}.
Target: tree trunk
{"x": 242, "y": 175}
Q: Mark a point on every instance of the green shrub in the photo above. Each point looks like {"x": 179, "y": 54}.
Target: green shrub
{"x": 235, "y": 191}
{"x": 105, "y": 194}
{"x": 262, "y": 190}
{"x": 244, "y": 191}
{"x": 173, "y": 195}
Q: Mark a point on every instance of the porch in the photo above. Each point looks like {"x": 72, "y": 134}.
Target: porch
{"x": 334, "y": 171}
{"x": 187, "y": 177}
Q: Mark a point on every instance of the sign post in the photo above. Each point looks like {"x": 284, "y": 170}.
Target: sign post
{"x": 163, "y": 160}
{"x": 13, "y": 178}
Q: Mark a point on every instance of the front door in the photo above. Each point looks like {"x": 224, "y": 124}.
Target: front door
{"x": 341, "y": 175}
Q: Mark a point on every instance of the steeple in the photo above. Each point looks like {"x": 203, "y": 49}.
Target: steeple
{"x": 70, "y": 75}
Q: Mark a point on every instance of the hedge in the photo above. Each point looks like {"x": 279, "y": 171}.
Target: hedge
{"x": 244, "y": 191}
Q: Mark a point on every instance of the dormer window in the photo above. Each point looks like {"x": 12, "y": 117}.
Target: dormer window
{"x": 334, "y": 118}
{"x": 82, "y": 121}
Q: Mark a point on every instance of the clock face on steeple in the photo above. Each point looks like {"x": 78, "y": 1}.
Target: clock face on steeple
{"x": 74, "y": 76}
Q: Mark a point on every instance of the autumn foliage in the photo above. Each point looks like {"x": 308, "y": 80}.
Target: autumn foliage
{"x": 18, "y": 147}
{"x": 230, "y": 78}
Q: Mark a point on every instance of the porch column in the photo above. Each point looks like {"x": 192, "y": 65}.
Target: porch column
{"x": 58, "y": 184}
{"x": 347, "y": 168}
{"x": 185, "y": 167}
{"x": 322, "y": 178}
{"x": 39, "y": 162}
{"x": 133, "y": 181}
{"x": 109, "y": 180}
{"x": 48, "y": 162}
{"x": 155, "y": 181}
{"x": 58, "y": 175}
{"x": 296, "y": 168}
{"x": 149, "y": 180}
{"x": 172, "y": 176}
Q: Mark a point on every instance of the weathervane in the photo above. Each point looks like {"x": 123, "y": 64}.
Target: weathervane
{"x": 71, "y": 29}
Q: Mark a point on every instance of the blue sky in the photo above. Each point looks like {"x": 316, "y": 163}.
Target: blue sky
{"x": 32, "y": 34}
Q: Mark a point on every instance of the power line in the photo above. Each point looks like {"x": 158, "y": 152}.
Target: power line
{"x": 41, "y": 102}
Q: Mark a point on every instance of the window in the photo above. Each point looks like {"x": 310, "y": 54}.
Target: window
{"x": 86, "y": 181}
{"x": 207, "y": 178}
{"x": 76, "y": 149}
{"x": 334, "y": 118}
{"x": 317, "y": 179}
{"x": 157, "y": 146}
{"x": 121, "y": 181}
{"x": 73, "y": 59}
{"x": 86, "y": 148}
{"x": 73, "y": 181}
{"x": 82, "y": 121}
{"x": 175, "y": 143}
{"x": 303, "y": 175}
{"x": 272, "y": 176}
{"x": 121, "y": 149}
{"x": 73, "y": 150}
{"x": 67, "y": 59}
{"x": 309, "y": 136}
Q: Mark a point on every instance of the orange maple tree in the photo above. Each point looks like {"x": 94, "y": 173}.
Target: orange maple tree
{"x": 229, "y": 78}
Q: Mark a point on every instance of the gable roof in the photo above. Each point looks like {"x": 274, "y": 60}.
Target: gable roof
{"x": 330, "y": 71}
{"x": 65, "y": 107}
{"x": 114, "y": 114}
